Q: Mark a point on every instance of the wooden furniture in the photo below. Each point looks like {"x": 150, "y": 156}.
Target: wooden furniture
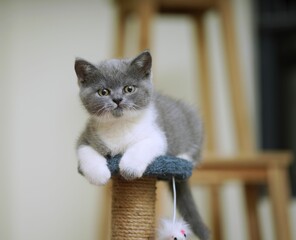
{"x": 253, "y": 170}
{"x": 248, "y": 165}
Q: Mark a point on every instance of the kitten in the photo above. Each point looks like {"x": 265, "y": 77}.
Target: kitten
{"x": 128, "y": 117}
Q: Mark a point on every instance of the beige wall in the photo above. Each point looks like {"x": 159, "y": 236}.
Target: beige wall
{"x": 42, "y": 196}
{"x": 41, "y": 116}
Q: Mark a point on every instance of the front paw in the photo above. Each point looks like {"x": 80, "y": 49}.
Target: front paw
{"x": 131, "y": 167}
{"x": 93, "y": 165}
{"x": 97, "y": 174}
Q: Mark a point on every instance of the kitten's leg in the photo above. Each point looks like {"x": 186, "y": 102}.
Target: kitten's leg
{"x": 93, "y": 165}
{"x": 189, "y": 157}
{"x": 185, "y": 156}
{"x": 137, "y": 157}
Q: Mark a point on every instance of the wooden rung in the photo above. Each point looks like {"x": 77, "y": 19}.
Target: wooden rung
{"x": 208, "y": 176}
{"x": 282, "y": 159}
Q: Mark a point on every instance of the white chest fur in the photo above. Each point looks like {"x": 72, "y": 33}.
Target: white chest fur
{"x": 120, "y": 133}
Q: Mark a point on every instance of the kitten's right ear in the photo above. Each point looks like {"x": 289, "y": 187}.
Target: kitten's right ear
{"x": 83, "y": 69}
{"x": 142, "y": 63}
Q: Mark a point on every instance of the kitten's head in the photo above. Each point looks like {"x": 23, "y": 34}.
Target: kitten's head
{"x": 115, "y": 87}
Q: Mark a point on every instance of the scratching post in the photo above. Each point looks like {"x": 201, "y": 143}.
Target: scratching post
{"x": 133, "y": 209}
{"x": 133, "y": 202}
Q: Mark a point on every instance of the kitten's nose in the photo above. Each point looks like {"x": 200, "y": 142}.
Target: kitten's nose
{"x": 117, "y": 100}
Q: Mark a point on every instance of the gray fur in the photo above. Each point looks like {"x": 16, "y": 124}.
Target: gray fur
{"x": 179, "y": 122}
{"x": 182, "y": 127}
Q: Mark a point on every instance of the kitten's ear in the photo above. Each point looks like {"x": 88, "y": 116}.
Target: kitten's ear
{"x": 142, "y": 63}
{"x": 83, "y": 69}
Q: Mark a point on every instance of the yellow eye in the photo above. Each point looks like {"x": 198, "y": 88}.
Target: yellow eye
{"x": 104, "y": 92}
{"x": 129, "y": 89}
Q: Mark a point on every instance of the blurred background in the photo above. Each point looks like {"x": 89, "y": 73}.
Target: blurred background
{"x": 42, "y": 195}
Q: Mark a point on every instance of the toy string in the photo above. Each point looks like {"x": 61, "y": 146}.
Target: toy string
{"x": 175, "y": 200}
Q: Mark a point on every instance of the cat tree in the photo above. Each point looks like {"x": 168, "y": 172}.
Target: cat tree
{"x": 133, "y": 202}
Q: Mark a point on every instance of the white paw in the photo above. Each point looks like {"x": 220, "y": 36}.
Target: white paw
{"x": 131, "y": 166}
{"x": 98, "y": 174}
{"x": 93, "y": 165}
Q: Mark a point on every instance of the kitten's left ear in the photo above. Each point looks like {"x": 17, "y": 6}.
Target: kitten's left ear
{"x": 83, "y": 69}
{"x": 143, "y": 63}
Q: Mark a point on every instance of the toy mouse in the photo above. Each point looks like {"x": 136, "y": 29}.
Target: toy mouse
{"x": 178, "y": 230}
{"x": 174, "y": 229}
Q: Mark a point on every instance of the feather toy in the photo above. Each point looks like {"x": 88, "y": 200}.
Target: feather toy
{"x": 174, "y": 229}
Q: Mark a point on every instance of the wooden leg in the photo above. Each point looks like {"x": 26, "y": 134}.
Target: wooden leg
{"x": 253, "y": 220}
{"x": 121, "y": 29}
{"x": 205, "y": 83}
{"x": 279, "y": 195}
{"x": 241, "y": 119}
{"x": 215, "y": 212}
{"x": 145, "y": 11}
{"x": 105, "y": 232}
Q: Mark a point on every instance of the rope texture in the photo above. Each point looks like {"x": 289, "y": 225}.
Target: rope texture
{"x": 133, "y": 209}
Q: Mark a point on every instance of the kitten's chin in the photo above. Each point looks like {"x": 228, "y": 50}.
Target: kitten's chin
{"x": 117, "y": 113}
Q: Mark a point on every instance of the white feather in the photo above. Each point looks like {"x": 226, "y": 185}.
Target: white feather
{"x": 170, "y": 230}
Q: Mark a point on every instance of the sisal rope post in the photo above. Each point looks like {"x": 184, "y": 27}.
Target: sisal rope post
{"x": 133, "y": 209}
{"x": 133, "y": 202}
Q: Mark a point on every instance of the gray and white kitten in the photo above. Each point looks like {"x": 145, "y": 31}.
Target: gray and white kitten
{"x": 128, "y": 117}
